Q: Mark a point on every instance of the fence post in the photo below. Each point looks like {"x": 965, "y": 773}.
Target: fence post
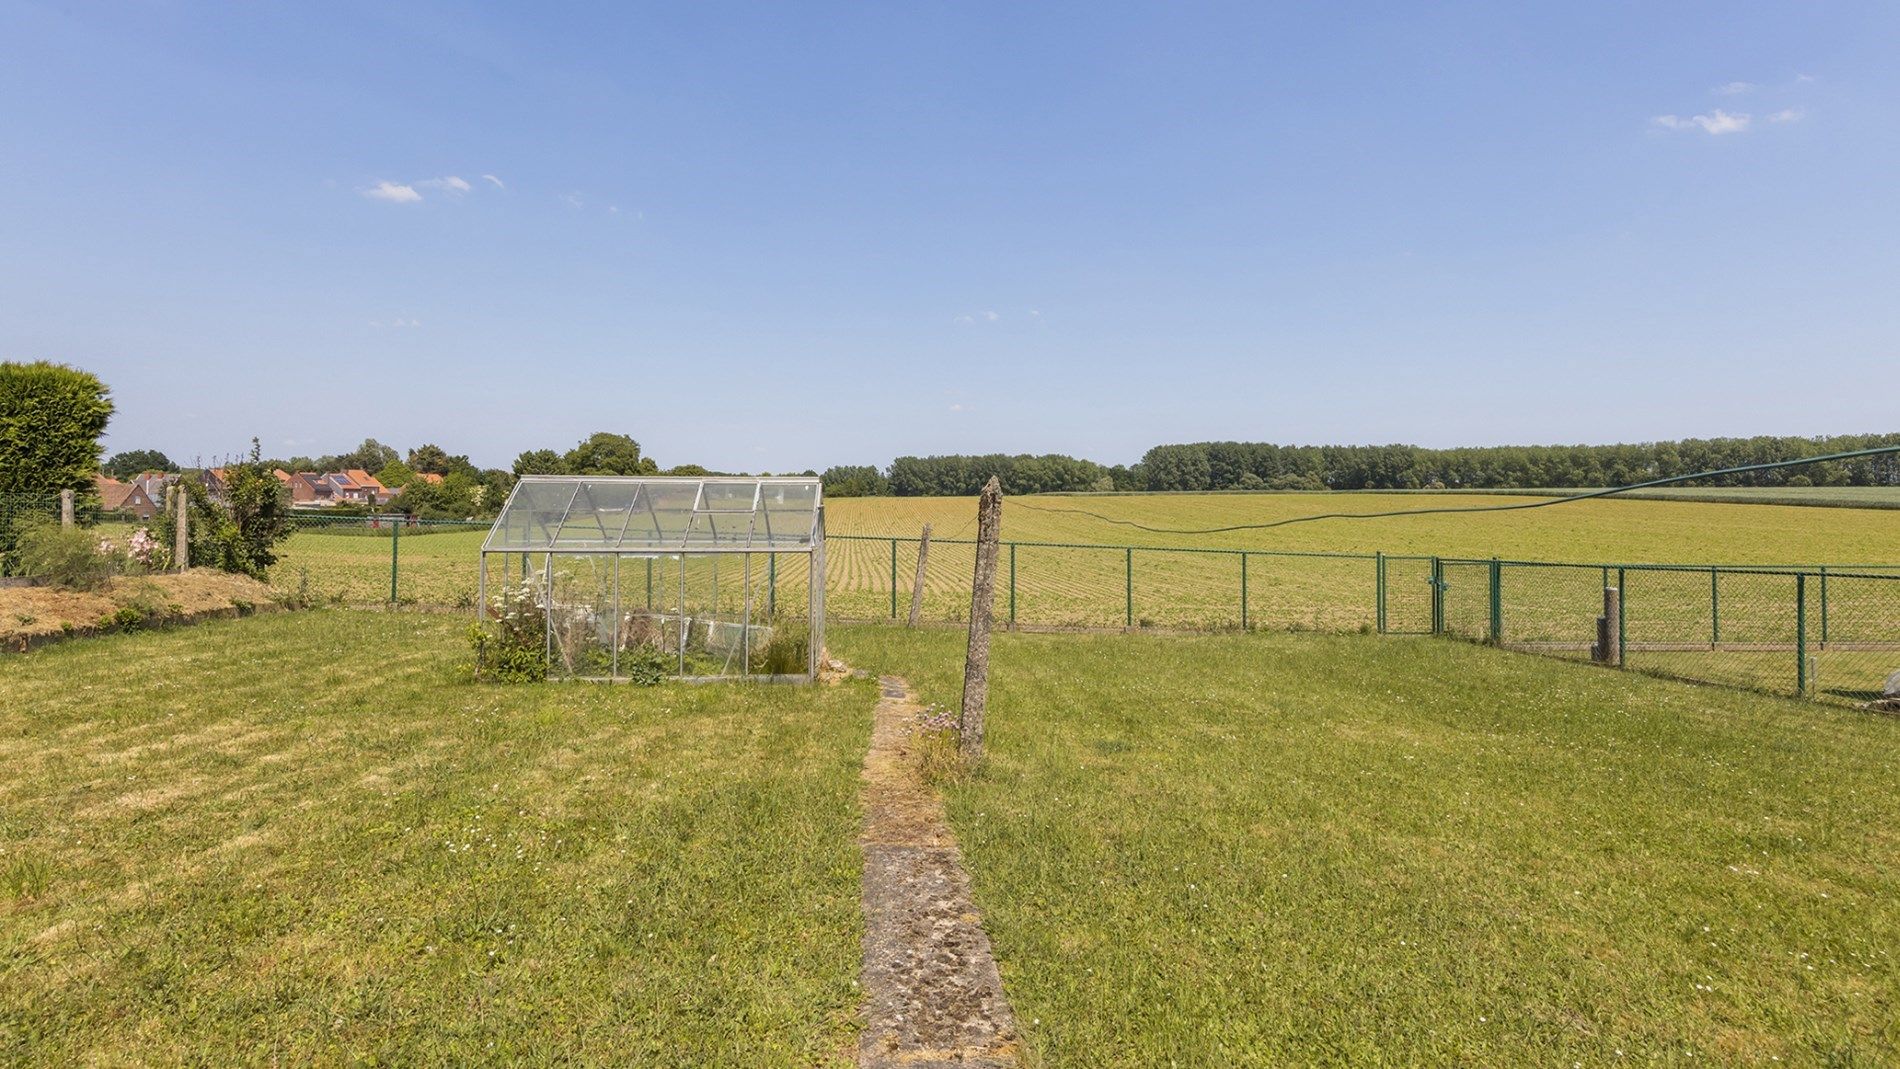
{"x": 1801, "y": 634}
{"x": 917, "y": 587}
{"x": 976, "y": 661}
{"x": 1012, "y": 586}
{"x": 181, "y": 533}
{"x": 395, "y": 540}
{"x": 893, "y": 578}
{"x": 1497, "y": 602}
{"x": 1128, "y": 589}
{"x": 1715, "y": 609}
{"x": 649, "y": 584}
{"x": 1622, "y": 614}
{"x": 1379, "y": 588}
{"x": 1438, "y": 596}
{"x": 1824, "y": 606}
{"x": 771, "y": 584}
{"x": 1243, "y": 591}
{"x": 66, "y": 509}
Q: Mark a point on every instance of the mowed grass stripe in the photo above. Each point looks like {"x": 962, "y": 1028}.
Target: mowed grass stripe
{"x": 1303, "y": 849}
{"x": 302, "y": 838}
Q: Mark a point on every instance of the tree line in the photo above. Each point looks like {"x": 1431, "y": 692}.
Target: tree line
{"x": 1266, "y": 466}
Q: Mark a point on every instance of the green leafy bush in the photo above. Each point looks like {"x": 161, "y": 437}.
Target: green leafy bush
{"x": 67, "y": 557}
{"x": 51, "y": 419}
{"x": 512, "y": 646}
{"x": 240, "y": 534}
{"x": 645, "y": 666}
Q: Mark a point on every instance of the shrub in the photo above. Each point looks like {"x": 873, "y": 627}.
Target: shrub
{"x": 68, "y": 557}
{"x": 645, "y": 666}
{"x": 241, "y": 534}
{"x": 512, "y": 647}
{"x": 51, "y": 418}
{"x": 786, "y": 653}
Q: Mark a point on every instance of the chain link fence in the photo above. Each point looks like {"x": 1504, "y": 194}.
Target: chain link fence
{"x": 15, "y": 510}
{"x": 1823, "y": 631}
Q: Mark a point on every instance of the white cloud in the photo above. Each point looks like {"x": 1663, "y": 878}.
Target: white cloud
{"x": 991, "y": 316}
{"x": 1715, "y": 122}
{"x": 1789, "y": 115}
{"x": 1732, "y": 89}
{"x": 956, "y": 408}
{"x": 497, "y": 181}
{"x": 452, "y": 183}
{"x": 393, "y": 192}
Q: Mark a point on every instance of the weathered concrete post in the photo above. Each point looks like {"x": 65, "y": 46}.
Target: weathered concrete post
{"x": 66, "y": 509}
{"x": 181, "y": 538}
{"x": 1608, "y": 648}
{"x": 976, "y": 666}
{"x": 917, "y": 587}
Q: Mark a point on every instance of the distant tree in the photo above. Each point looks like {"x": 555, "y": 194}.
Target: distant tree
{"x": 434, "y": 460}
{"x": 429, "y": 458}
{"x": 492, "y": 488}
{"x": 540, "y": 462}
{"x": 855, "y": 480}
{"x": 136, "y": 462}
{"x": 396, "y": 474}
{"x": 603, "y": 453}
{"x": 51, "y": 419}
{"x": 372, "y": 455}
{"x": 687, "y": 469}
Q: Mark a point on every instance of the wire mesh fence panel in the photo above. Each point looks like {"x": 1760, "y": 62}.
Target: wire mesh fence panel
{"x": 1749, "y": 638}
{"x": 1405, "y": 590}
{"x": 1187, "y": 589}
{"x": 1296, "y": 592}
{"x": 1550, "y": 609}
{"x": 1068, "y": 586}
{"x": 1852, "y": 635}
{"x": 17, "y": 510}
{"x": 1465, "y": 598}
{"x": 858, "y": 577}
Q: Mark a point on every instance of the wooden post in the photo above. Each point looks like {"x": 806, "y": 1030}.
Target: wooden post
{"x": 181, "y": 539}
{"x": 66, "y": 509}
{"x": 917, "y": 586}
{"x": 976, "y": 666}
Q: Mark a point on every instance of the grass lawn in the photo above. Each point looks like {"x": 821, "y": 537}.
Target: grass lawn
{"x": 1298, "y": 849}
{"x": 303, "y": 838}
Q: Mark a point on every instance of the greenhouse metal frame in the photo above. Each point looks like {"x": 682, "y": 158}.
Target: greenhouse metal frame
{"x": 562, "y": 545}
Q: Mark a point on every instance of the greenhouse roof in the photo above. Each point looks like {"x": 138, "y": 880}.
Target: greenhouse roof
{"x": 651, "y": 514}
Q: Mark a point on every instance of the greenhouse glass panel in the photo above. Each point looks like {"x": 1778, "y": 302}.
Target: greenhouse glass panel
{"x": 688, "y": 576}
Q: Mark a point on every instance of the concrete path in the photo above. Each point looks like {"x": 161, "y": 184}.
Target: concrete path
{"x": 932, "y": 994}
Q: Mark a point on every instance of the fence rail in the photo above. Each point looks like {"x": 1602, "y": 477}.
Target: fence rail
{"x": 1828, "y": 631}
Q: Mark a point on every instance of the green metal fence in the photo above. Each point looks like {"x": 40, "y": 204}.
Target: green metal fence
{"x": 1826, "y": 631}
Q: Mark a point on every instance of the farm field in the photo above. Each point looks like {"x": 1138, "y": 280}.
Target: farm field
{"x": 1732, "y": 627}
{"x": 308, "y": 840}
{"x": 1305, "y": 849}
{"x": 1859, "y": 497}
{"x": 1647, "y": 531}
{"x": 1084, "y": 587}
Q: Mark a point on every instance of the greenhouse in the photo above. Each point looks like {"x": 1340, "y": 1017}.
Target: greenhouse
{"x": 701, "y": 578}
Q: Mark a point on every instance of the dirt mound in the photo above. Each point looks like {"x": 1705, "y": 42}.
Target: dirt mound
{"x": 30, "y": 614}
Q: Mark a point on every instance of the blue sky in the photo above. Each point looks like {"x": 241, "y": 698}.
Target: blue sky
{"x": 771, "y": 237}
